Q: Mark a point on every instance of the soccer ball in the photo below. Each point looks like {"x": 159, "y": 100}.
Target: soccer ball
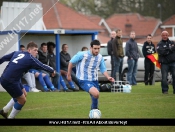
{"x": 95, "y": 114}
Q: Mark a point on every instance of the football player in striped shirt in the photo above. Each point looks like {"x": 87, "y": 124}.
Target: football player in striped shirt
{"x": 87, "y": 64}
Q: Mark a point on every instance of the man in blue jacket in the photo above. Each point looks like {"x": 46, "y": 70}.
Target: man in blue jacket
{"x": 132, "y": 53}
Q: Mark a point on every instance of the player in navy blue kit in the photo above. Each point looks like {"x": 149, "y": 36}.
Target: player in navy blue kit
{"x": 19, "y": 62}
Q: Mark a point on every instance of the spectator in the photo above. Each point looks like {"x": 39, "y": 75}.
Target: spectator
{"x": 52, "y": 63}
{"x": 148, "y": 49}
{"x": 43, "y": 57}
{"x": 22, "y": 48}
{"x": 118, "y": 54}
{"x": 131, "y": 51}
{"x": 84, "y": 49}
{"x": 166, "y": 52}
{"x": 44, "y": 80}
{"x": 110, "y": 52}
{"x": 64, "y": 61}
{"x": 29, "y": 77}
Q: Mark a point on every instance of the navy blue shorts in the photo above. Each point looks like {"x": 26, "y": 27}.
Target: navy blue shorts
{"x": 86, "y": 85}
{"x": 13, "y": 88}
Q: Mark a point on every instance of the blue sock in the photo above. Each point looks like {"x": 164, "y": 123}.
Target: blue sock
{"x": 45, "y": 88}
{"x": 48, "y": 82}
{"x": 71, "y": 83}
{"x": 15, "y": 100}
{"x": 63, "y": 84}
{"x": 94, "y": 104}
{"x": 18, "y": 106}
{"x": 40, "y": 78}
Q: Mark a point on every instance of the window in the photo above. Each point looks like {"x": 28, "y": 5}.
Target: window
{"x": 104, "y": 51}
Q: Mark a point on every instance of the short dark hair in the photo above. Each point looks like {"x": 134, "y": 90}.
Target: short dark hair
{"x": 43, "y": 44}
{"x": 84, "y": 48}
{"x": 118, "y": 30}
{"x": 32, "y": 45}
{"x": 63, "y": 46}
{"x": 95, "y": 42}
{"x": 50, "y": 44}
{"x": 149, "y": 35}
{"x": 22, "y": 46}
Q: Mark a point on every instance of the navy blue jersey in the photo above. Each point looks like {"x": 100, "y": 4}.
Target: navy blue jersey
{"x": 20, "y": 62}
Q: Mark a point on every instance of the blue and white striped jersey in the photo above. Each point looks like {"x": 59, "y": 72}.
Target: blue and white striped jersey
{"x": 87, "y": 65}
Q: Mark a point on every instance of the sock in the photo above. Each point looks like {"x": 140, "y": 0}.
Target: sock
{"x": 16, "y": 109}
{"x": 71, "y": 83}
{"x": 63, "y": 84}
{"x": 48, "y": 82}
{"x": 40, "y": 78}
{"x": 9, "y": 105}
{"x": 15, "y": 100}
{"x": 45, "y": 88}
{"x": 94, "y": 104}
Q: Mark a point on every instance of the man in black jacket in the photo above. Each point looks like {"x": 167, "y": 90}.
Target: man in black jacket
{"x": 52, "y": 63}
{"x": 166, "y": 52}
{"x": 132, "y": 53}
{"x": 148, "y": 49}
{"x": 110, "y": 52}
{"x": 43, "y": 57}
{"x": 64, "y": 62}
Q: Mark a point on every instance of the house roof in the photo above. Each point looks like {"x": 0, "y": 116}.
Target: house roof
{"x": 94, "y": 18}
{"x": 140, "y": 24}
{"x": 103, "y": 38}
{"x": 169, "y": 21}
{"x": 61, "y": 16}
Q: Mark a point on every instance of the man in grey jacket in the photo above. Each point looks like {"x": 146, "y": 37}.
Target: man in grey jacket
{"x": 131, "y": 51}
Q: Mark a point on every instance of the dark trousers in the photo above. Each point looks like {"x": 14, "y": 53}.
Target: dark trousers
{"x": 149, "y": 71}
{"x": 165, "y": 68}
{"x": 112, "y": 67}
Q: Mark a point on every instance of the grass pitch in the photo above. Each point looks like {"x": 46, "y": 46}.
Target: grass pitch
{"x": 142, "y": 102}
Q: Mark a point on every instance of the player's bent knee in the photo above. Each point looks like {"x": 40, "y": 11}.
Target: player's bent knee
{"x": 22, "y": 99}
{"x": 94, "y": 92}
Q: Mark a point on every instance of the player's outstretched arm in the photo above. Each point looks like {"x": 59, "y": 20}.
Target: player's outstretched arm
{"x": 69, "y": 71}
{"x": 39, "y": 65}
{"x": 108, "y": 77}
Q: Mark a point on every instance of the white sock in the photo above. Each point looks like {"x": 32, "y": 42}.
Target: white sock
{"x": 9, "y": 105}
{"x": 13, "y": 113}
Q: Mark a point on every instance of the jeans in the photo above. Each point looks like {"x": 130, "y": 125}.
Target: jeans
{"x": 132, "y": 71}
{"x": 118, "y": 64}
{"x": 165, "y": 68}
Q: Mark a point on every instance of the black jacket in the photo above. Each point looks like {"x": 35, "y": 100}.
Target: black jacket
{"x": 166, "y": 51}
{"x": 109, "y": 47}
{"x": 42, "y": 57}
{"x": 64, "y": 60}
{"x": 148, "y": 49}
{"x": 131, "y": 49}
{"x": 52, "y": 60}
